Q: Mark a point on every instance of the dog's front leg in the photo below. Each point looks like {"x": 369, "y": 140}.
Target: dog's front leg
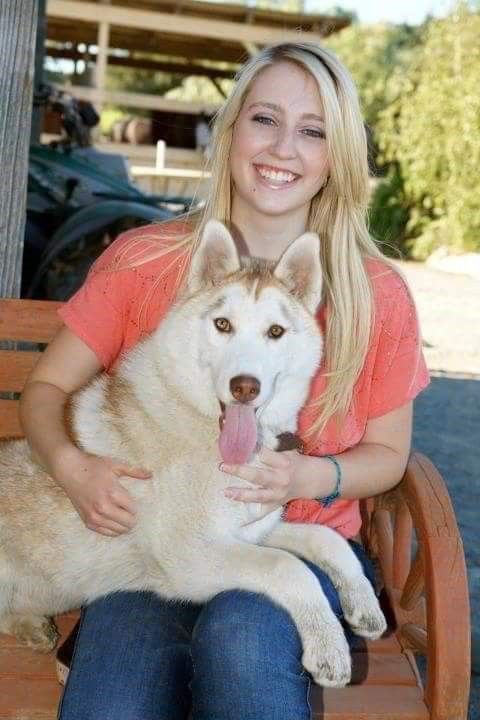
{"x": 332, "y": 553}
{"x": 289, "y": 583}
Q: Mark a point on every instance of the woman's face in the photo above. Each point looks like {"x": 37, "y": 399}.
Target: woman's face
{"x": 279, "y": 153}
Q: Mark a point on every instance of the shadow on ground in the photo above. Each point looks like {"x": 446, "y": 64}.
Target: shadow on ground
{"x": 447, "y": 429}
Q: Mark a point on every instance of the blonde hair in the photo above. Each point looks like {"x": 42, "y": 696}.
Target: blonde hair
{"x": 337, "y": 213}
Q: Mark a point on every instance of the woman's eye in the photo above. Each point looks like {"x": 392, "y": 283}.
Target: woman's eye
{"x": 275, "y": 332}
{"x": 313, "y": 132}
{"x": 263, "y": 119}
{"x": 223, "y": 325}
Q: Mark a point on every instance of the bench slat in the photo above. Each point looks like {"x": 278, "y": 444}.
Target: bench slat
{"x": 33, "y": 676}
{"x": 28, "y": 688}
{"x": 366, "y": 702}
{"x": 9, "y": 421}
{"x": 14, "y": 368}
{"x": 33, "y": 320}
{"x": 380, "y": 669}
{"x": 35, "y": 700}
{"x": 386, "y": 644}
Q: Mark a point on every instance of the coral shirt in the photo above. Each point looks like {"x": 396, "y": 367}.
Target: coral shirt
{"x": 116, "y": 307}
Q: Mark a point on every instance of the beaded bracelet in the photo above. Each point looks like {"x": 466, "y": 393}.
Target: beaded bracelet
{"x": 328, "y": 500}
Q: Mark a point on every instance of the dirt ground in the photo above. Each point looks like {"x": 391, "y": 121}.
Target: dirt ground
{"x": 447, "y": 413}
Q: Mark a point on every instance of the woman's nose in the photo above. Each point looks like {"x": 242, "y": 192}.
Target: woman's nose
{"x": 284, "y": 144}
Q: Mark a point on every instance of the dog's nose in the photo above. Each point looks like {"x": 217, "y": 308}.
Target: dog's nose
{"x": 244, "y": 388}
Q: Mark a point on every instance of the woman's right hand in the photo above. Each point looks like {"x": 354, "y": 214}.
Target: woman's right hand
{"x": 93, "y": 485}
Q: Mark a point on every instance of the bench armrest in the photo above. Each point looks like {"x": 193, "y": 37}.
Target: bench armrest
{"x": 413, "y": 533}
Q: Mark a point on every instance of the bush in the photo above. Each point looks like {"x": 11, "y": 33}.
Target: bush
{"x": 372, "y": 53}
{"x": 389, "y": 214}
{"x": 430, "y": 130}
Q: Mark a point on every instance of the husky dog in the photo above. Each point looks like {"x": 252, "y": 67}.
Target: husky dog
{"x": 240, "y": 345}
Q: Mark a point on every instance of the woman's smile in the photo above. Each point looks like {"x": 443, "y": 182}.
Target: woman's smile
{"x": 275, "y": 178}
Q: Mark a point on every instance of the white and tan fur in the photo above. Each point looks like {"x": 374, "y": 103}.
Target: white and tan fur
{"x": 160, "y": 410}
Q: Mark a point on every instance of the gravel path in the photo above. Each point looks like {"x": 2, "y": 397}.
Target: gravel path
{"x": 447, "y": 413}
{"x": 449, "y": 310}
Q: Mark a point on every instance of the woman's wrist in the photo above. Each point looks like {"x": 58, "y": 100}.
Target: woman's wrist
{"x": 316, "y": 477}
{"x": 327, "y": 500}
{"x": 63, "y": 463}
{"x": 367, "y": 469}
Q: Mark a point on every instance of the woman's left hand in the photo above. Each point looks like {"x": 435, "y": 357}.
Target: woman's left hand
{"x": 274, "y": 476}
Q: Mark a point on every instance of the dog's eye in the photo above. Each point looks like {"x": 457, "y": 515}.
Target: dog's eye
{"x": 223, "y": 325}
{"x": 276, "y": 331}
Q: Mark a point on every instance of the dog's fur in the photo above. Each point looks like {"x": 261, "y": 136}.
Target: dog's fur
{"x": 160, "y": 409}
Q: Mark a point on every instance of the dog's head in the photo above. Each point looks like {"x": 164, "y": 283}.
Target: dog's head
{"x": 245, "y": 330}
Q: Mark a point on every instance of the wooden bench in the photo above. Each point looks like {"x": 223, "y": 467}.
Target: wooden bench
{"x": 411, "y": 531}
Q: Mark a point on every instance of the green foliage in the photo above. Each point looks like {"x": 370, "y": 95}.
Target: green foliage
{"x": 419, "y": 94}
{"x": 338, "y": 11}
{"x": 376, "y": 56}
{"x": 110, "y": 115}
{"x": 430, "y": 128}
{"x": 389, "y": 214}
{"x": 192, "y": 88}
{"x": 141, "y": 81}
{"x": 373, "y": 53}
{"x": 200, "y": 89}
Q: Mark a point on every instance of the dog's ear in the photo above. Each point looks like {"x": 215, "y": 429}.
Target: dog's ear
{"x": 300, "y": 271}
{"x": 215, "y": 257}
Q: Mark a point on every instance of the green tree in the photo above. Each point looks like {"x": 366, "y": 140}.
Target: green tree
{"x": 141, "y": 81}
{"x": 430, "y": 131}
{"x": 373, "y": 53}
{"x": 378, "y": 56}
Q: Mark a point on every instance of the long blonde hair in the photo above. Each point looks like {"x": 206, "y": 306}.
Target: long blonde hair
{"x": 337, "y": 213}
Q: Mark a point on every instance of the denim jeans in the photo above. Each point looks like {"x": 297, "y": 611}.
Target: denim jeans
{"x": 237, "y": 657}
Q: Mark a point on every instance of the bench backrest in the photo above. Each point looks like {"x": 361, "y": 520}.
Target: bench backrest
{"x": 26, "y": 326}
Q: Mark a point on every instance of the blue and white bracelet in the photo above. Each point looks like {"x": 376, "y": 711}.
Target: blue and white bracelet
{"x": 329, "y": 499}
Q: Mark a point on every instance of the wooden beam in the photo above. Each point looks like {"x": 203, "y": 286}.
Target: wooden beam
{"x": 189, "y": 173}
{"x": 144, "y": 64}
{"x": 184, "y": 46}
{"x": 244, "y": 12}
{"x": 18, "y": 28}
{"x": 138, "y": 100}
{"x": 167, "y": 23}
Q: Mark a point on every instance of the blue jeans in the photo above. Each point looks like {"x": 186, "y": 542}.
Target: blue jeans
{"x": 237, "y": 657}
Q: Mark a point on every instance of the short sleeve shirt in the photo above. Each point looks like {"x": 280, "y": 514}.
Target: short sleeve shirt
{"x": 119, "y": 304}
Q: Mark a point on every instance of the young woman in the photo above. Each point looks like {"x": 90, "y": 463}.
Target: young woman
{"x": 289, "y": 154}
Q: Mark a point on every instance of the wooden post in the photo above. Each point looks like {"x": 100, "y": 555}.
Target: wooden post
{"x": 37, "y": 112}
{"x": 102, "y": 58}
{"x": 18, "y": 27}
{"x": 251, "y": 48}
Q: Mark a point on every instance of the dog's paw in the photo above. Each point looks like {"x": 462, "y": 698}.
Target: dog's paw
{"x": 36, "y": 632}
{"x": 361, "y": 609}
{"x": 326, "y": 656}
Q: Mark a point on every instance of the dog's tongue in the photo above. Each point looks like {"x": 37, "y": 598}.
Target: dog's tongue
{"x": 238, "y": 436}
